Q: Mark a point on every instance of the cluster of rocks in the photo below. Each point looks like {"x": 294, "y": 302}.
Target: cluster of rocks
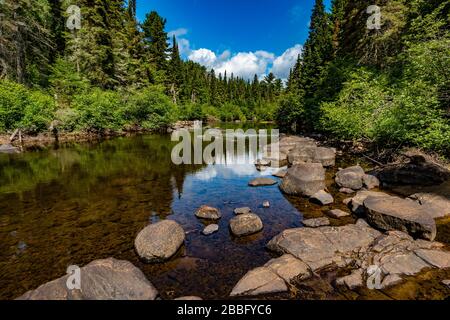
{"x": 358, "y": 247}
{"x": 243, "y": 224}
{"x": 354, "y": 178}
{"x": 186, "y": 125}
{"x": 292, "y": 150}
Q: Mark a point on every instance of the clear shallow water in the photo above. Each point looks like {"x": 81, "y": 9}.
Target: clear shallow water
{"x": 81, "y": 202}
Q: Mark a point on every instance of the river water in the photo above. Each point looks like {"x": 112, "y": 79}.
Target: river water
{"x": 75, "y": 203}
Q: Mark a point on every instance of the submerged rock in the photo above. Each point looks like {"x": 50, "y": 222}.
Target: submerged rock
{"x": 160, "y": 241}
{"x": 245, "y": 224}
{"x": 244, "y": 210}
{"x": 208, "y": 213}
{"x": 212, "y": 228}
{"x": 315, "y": 223}
{"x": 280, "y": 174}
{"x": 262, "y": 182}
{"x": 392, "y": 213}
{"x": 304, "y": 179}
{"x": 323, "y": 198}
{"x": 266, "y": 204}
{"x": 108, "y": 279}
{"x": 337, "y": 214}
{"x": 352, "y": 281}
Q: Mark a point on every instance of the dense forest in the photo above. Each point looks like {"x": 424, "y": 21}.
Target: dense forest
{"x": 388, "y": 85}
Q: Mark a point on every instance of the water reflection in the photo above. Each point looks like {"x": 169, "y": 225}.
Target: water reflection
{"x": 82, "y": 202}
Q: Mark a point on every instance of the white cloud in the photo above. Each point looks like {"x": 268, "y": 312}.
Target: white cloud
{"x": 177, "y": 33}
{"x": 241, "y": 64}
{"x": 282, "y": 64}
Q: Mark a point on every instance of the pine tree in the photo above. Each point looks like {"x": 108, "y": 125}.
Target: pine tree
{"x": 175, "y": 70}
{"x": 156, "y": 39}
{"x": 317, "y": 53}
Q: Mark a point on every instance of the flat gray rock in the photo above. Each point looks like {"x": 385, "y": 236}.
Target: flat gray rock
{"x": 160, "y": 241}
{"x": 289, "y": 268}
{"x": 315, "y": 223}
{"x": 357, "y": 202}
{"x": 108, "y": 279}
{"x": 337, "y": 214}
{"x": 392, "y": 213}
{"x": 259, "y": 281}
{"x": 9, "y": 149}
{"x": 323, "y": 246}
{"x": 323, "y": 198}
{"x": 262, "y": 182}
{"x": 245, "y": 224}
{"x": 437, "y": 258}
{"x": 402, "y": 263}
{"x": 304, "y": 180}
{"x": 280, "y": 174}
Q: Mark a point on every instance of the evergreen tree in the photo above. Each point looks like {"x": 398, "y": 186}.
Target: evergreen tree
{"x": 156, "y": 39}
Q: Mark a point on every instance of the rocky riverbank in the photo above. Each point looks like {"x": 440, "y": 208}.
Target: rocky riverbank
{"x": 379, "y": 241}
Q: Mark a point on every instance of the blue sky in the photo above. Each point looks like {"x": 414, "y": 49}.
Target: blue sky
{"x": 245, "y": 37}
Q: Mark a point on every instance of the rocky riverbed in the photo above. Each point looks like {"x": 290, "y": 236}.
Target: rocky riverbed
{"x": 365, "y": 242}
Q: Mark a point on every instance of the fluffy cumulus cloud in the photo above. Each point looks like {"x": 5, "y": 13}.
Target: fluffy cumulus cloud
{"x": 241, "y": 64}
{"x": 282, "y": 64}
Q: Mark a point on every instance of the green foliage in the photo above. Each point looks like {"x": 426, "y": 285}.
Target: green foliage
{"x": 289, "y": 111}
{"x": 362, "y": 98}
{"x": 149, "y": 108}
{"x": 97, "y": 111}
{"x": 38, "y": 113}
{"x": 23, "y": 108}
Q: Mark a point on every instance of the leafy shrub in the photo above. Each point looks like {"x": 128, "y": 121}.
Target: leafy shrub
{"x": 352, "y": 115}
{"x": 97, "y": 111}
{"x": 39, "y": 112}
{"x": 23, "y": 108}
{"x": 289, "y": 111}
{"x": 150, "y": 108}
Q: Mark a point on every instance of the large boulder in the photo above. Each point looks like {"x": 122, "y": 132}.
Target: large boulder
{"x": 245, "y": 224}
{"x": 414, "y": 169}
{"x": 393, "y": 213}
{"x": 440, "y": 202}
{"x": 160, "y": 241}
{"x": 208, "y": 213}
{"x": 356, "y": 203}
{"x": 351, "y": 178}
{"x": 313, "y": 154}
{"x": 108, "y": 279}
{"x": 304, "y": 179}
{"x": 323, "y": 246}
